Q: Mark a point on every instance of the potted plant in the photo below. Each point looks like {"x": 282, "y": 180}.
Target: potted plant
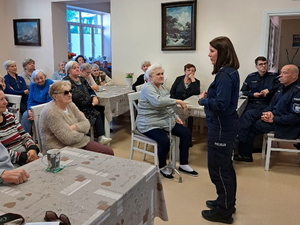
{"x": 129, "y": 77}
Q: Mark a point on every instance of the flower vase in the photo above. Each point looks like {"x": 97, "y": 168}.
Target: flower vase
{"x": 129, "y": 81}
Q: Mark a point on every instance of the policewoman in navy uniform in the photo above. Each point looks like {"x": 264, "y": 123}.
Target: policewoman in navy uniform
{"x": 220, "y": 103}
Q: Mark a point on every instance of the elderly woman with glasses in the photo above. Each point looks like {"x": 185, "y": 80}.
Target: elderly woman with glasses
{"x": 62, "y": 124}
{"x": 29, "y": 67}
{"x": 86, "y": 100}
{"x": 18, "y": 143}
{"x": 100, "y": 77}
{"x": 141, "y": 79}
{"x": 15, "y": 85}
{"x": 38, "y": 94}
{"x": 155, "y": 108}
{"x": 85, "y": 71}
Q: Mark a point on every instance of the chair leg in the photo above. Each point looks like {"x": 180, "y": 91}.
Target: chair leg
{"x": 269, "y": 145}
{"x": 263, "y": 152}
{"x": 155, "y": 155}
{"x": 131, "y": 149}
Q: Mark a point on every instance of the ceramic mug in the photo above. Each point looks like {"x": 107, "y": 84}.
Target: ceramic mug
{"x": 53, "y": 157}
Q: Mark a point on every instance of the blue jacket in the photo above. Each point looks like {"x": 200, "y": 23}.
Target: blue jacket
{"x": 255, "y": 83}
{"x": 19, "y": 85}
{"x": 285, "y": 107}
{"x": 223, "y": 93}
{"x": 39, "y": 94}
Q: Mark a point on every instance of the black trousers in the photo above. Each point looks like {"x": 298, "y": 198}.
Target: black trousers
{"x": 222, "y": 132}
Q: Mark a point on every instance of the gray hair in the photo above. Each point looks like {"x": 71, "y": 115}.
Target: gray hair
{"x": 95, "y": 66}
{"x": 85, "y": 66}
{"x": 150, "y": 71}
{"x": 26, "y": 61}
{"x": 8, "y": 63}
{"x": 63, "y": 61}
{"x": 35, "y": 73}
{"x": 69, "y": 65}
{"x": 145, "y": 62}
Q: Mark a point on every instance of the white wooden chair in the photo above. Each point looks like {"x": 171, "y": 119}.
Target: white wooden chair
{"x": 16, "y": 101}
{"x": 36, "y": 111}
{"x": 267, "y": 142}
{"x": 139, "y": 87}
{"x": 139, "y": 137}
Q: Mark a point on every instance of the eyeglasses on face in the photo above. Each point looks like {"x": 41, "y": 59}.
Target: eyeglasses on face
{"x": 262, "y": 64}
{"x": 65, "y": 92}
{"x": 52, "y": 216}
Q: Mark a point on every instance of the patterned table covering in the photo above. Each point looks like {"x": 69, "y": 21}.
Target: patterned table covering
{"x": 196, "y": 110}
{"x": 115, "y": 100}
{"x": 100, "y": 189}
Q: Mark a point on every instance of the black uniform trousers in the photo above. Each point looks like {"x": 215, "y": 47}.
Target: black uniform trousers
{"x": 246, "y": 141}
{"x": 222, "y": 132}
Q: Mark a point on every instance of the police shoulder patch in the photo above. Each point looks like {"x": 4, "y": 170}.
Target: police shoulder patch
{"x": 296, "y": 107}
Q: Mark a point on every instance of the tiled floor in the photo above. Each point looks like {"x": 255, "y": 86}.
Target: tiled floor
{"x": 271, "y": 198}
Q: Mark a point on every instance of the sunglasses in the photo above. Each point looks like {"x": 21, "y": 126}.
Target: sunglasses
{"x": 52, "y": 216}
{"x": 65, "y": 92}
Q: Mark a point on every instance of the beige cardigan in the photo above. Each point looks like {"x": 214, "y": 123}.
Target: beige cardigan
{"x": 55, "y": 131}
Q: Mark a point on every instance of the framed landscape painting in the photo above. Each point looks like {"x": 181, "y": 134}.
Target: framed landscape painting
{"x": 179, "y": 26}
{"x": 27, "y": 32}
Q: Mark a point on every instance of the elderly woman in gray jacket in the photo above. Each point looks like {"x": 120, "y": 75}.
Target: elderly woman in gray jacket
{"x": 155, "y": 108}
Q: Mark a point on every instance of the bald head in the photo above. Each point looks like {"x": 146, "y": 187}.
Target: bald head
{"x": 289, "y": 74}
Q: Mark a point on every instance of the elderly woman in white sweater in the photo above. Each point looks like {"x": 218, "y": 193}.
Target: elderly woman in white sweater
{"x": 155, "y": 108}
{"x": 62, "y": 124}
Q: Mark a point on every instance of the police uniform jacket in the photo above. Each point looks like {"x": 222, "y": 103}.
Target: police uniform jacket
{"x": 255, "y": 83}
{"x": 223, "y": 93}
{"x": 285, "y": 107}
{"x": 179, "y": 91}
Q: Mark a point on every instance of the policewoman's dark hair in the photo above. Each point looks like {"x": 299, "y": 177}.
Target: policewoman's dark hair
{"x": 226, "y": 54}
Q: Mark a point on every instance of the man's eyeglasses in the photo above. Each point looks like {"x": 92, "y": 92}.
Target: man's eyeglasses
{"x": 52, "y": 216}
{"x": 262, "y": 64}
{"x": 65, "y": 92}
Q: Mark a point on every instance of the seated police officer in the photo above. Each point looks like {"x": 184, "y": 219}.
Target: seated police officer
{"x": 282, "y": 115}
{"x": 260, "y": 86}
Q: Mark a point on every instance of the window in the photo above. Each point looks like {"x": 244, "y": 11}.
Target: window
{"x": 85, "y": 33}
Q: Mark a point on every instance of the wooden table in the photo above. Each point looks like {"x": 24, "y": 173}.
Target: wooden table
{"x": 100, "y": 189}
{"x": 115, "y": 101}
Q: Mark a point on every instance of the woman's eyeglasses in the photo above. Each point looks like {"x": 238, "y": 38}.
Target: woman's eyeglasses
{"x": 65, "y": 92}
{"x": 52, "y": 216}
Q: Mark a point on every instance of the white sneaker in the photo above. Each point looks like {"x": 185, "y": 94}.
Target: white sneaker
{"x": 104, "y": 140}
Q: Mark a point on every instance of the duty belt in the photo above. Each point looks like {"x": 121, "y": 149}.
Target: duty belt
{"x": 256, "y": 102}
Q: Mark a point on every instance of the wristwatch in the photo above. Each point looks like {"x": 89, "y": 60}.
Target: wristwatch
{"x": 200, "y": 101}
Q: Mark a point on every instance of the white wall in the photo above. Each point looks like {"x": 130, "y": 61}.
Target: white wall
{"x": 52, "y": 15}
{"x": 25, "y": 9}
{"x": 288, "y": 28}
{"x": 136, "y": 35}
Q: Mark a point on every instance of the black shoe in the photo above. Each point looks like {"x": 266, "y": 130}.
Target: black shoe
{"x": 214, "y": 216}
{"x": 168, "y": 176}
{"x": 297, "y": 146}
{"x": 243, "y": 158}
{"x": 192, "y": 173}
{"x": 213, "y": 204}
{"x": 191, "y": 143}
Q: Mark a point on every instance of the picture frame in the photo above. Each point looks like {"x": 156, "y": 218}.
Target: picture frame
{"x": 178, "y": 25}
{"x": 296, "y": 41}
{"x": 27, "y": 32}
